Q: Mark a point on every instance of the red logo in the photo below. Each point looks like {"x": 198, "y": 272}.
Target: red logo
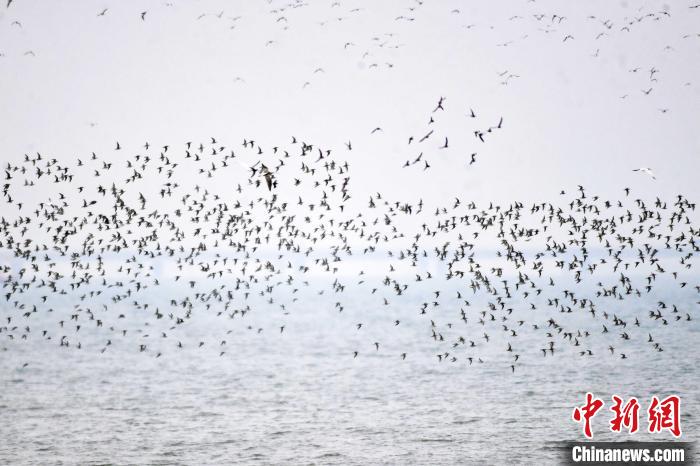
{"x": 665, "y": 414}
{"x": 662, "y": 415}
{"x": 586, "y": 413}
{"x": 625, "y": 416}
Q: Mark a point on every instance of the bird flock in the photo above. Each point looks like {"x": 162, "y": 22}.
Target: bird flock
{"x": 425, "y": 140}
{"x": 230, "y": 230}
{"x": 87, "y": 243}
{"x": 601, "y": 34}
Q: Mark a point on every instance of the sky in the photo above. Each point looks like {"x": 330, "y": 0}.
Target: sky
{"x": 572, "y": 101}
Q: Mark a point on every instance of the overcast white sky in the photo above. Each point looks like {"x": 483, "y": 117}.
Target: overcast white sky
{"x": 91, "y": 80}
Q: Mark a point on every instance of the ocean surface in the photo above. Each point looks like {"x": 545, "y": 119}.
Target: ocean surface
{"x": 299, "y": 396}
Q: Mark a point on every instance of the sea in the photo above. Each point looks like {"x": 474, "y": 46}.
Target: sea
{"x": 299, "y": 395}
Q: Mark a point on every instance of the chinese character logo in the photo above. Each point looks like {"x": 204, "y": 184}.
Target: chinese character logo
{"x": 665, "y": 414}
{"x": 625, "y": 416}
{"x": 586, "y": 412}
{"x": 662, "y": 414}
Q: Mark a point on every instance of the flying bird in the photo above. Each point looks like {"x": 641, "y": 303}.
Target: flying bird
{"x": 646, "y": 171}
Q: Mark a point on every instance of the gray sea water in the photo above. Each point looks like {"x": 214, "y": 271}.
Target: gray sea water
{"x": 299, "y": 397}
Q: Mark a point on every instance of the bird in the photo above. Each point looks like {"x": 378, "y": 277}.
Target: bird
{"x": 646, "y": 171}
{"x": 427, "y": 135}
{"x": 267, "y": 174}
